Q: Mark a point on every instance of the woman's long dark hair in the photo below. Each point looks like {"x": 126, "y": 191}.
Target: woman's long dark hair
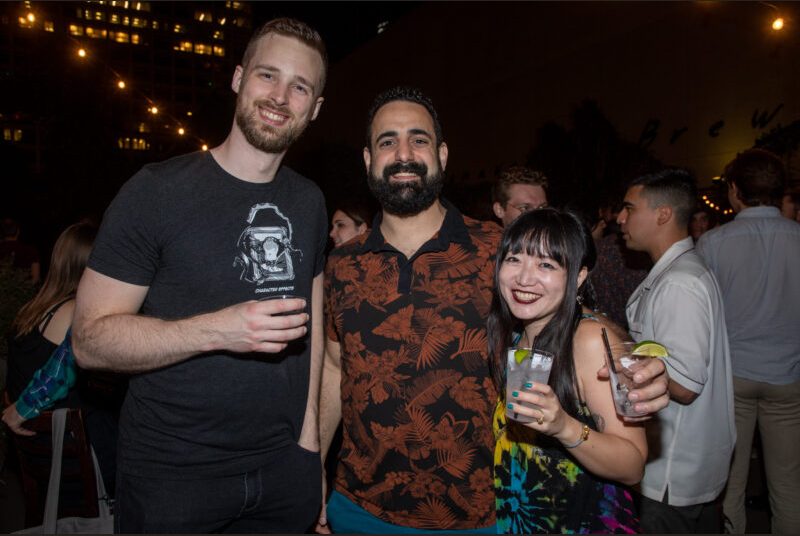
{"x": 565, "y": 238}
{"x": 70, "y": 255}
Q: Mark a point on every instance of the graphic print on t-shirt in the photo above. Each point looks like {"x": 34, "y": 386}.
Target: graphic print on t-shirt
{"x": 265, "y": 246}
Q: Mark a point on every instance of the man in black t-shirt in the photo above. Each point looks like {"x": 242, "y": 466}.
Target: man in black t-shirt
{"x": 218, "y": 432}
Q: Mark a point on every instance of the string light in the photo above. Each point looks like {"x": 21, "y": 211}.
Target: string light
{"x": 152, "y": 107}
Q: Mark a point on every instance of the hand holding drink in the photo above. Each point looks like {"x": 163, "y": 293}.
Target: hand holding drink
{"x": 624, "y": 359}
{"x": 525, "y": 365}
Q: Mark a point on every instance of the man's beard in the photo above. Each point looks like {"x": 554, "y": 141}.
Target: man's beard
{"x": 265, "y": 137}
{"x": 406, "y": 198}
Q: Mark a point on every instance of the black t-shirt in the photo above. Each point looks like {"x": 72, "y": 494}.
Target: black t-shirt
{"x": 201, "y": 240}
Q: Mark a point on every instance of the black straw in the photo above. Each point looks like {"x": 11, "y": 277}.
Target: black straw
{"x": 608, "y": 351}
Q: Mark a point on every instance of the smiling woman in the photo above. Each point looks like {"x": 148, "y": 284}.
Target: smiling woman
{"x": 566, "y": 467}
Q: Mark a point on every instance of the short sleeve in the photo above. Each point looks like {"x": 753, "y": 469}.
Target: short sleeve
{"x": 126, "y": 247}
{"x": 330, "y": 313}
{"x": 682, "y": 319}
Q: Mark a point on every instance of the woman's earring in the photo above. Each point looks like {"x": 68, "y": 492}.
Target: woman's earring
{"x": 579, "y": 299}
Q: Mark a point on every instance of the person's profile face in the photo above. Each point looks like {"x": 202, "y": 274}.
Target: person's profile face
{"x": 521, "y": 199}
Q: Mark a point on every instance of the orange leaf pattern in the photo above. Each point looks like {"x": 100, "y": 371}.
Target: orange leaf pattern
{"x": 417, "y": 399}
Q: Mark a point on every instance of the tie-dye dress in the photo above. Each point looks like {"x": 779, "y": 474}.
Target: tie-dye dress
{"x": 539, "y": 488}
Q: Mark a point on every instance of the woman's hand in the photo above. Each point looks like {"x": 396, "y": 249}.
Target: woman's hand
{"x": 14, "y": 421}
{"x": 549, "y": 417}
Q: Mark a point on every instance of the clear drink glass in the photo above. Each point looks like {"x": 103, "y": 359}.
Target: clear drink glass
{"x": 620, "y": 371}
{"x": 525, "y": 365}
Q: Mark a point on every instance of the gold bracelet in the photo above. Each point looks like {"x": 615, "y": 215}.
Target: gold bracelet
{"x": 584, "y": 436}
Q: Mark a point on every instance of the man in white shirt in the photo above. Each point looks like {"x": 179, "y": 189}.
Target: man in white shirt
{"x": 755, "y": 259}
{"x": 679, "y": 305}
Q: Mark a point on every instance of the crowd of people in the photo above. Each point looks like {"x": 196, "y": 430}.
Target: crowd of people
{"x": 399, "y": 333}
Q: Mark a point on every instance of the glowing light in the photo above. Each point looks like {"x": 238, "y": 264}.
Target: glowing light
{"x": 121, "y": 84}
{"x": 82, "y": 52}
{"x": 705, "y": 197}
{"x": 153, "y": 110}
{"x": 777, "y": 24}
{"x": 181, "y": 131}
{"x": 31, "y": 18}
{"x": 205, "y": 147}
{"x": 189, "y": 113}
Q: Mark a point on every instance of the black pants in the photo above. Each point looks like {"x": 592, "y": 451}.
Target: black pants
{"x": 661, "y": 518}
{"x": 283, "y": 496}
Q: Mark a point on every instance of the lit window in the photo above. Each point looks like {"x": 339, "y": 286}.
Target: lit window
{"x": 203, "y": 16}
{"x": 48, "y": 26}
{"x": 135, "y": 39}
{"x": 139, "y": 23}
{"x": 178, "y": 28}
{"x": 79, "y": 13}
{"x": 17, "y": 134}
{"x": 99, "y": 15}
{"x": 126, "y": 21}
{"x": 95, "y": 33}
{"x": 234, "y": 5}
{"x": 184, "y": 46}
{"x": 7, "y": 134}
{"x": 219, "y": 51}
{"x": 114, "y": 18}
{"x": 25, "y": 23}
{"x": 143, "y": 127}
{"x": 87, "y": 14}
{"x": 121, "y": 37}
{"x": 219, "y": 35}
{"x": 201, "y": 48}
{"x": 74, "y": 29}
{"x": 155, "y": 25}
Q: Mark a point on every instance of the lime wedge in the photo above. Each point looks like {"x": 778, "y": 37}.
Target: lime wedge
{"x": 521, "y": 354}
{"x": 650, "y": 349}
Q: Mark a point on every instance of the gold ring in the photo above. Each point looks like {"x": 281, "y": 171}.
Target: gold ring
{"x": 540, "y": 420}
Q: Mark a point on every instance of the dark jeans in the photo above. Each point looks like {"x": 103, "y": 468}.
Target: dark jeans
{"x": 282, "y": 496}
{"x": 661, "y": 518}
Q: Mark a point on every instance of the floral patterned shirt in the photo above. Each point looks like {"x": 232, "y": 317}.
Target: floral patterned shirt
{"x": 417, "y": 397}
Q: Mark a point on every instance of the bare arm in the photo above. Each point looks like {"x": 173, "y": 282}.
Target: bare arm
{"x": 108, "y": 333}
{"x": 309, "y": 437}
{"x": 680, "y": 393}
{"x": 330, "y": 414}
{"x": 616, "y": 451}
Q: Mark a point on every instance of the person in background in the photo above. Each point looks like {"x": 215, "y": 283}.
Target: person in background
{"x": 219, "y": 429}
{"x": 22, "y": 256}
{"x": 755, "y": 258}
{"x": 42, "y": 324}
{"x": 351, "y": 218}
{"x": 618, "y": 270}
{"x": 679, "y": 305}
{"x": 567, "y": 471}
{"x": 42, "y": 373}
{"x": 518, "y": 189}
{"x": 790, "y": 205}
{"x": 703, "y": 220}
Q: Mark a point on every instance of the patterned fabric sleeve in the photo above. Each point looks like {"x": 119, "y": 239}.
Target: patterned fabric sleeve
{"x": 50, "y": 383}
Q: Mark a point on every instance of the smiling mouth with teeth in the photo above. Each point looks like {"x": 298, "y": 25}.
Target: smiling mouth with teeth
{"x": 273, "y": 117}
{"x": 520, "y": 296}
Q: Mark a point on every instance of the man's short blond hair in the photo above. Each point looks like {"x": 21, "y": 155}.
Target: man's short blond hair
{"x": 515, "y": 175}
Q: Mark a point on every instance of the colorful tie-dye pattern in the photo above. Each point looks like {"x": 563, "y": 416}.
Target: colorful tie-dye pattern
{"x": 539, "y": 488}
